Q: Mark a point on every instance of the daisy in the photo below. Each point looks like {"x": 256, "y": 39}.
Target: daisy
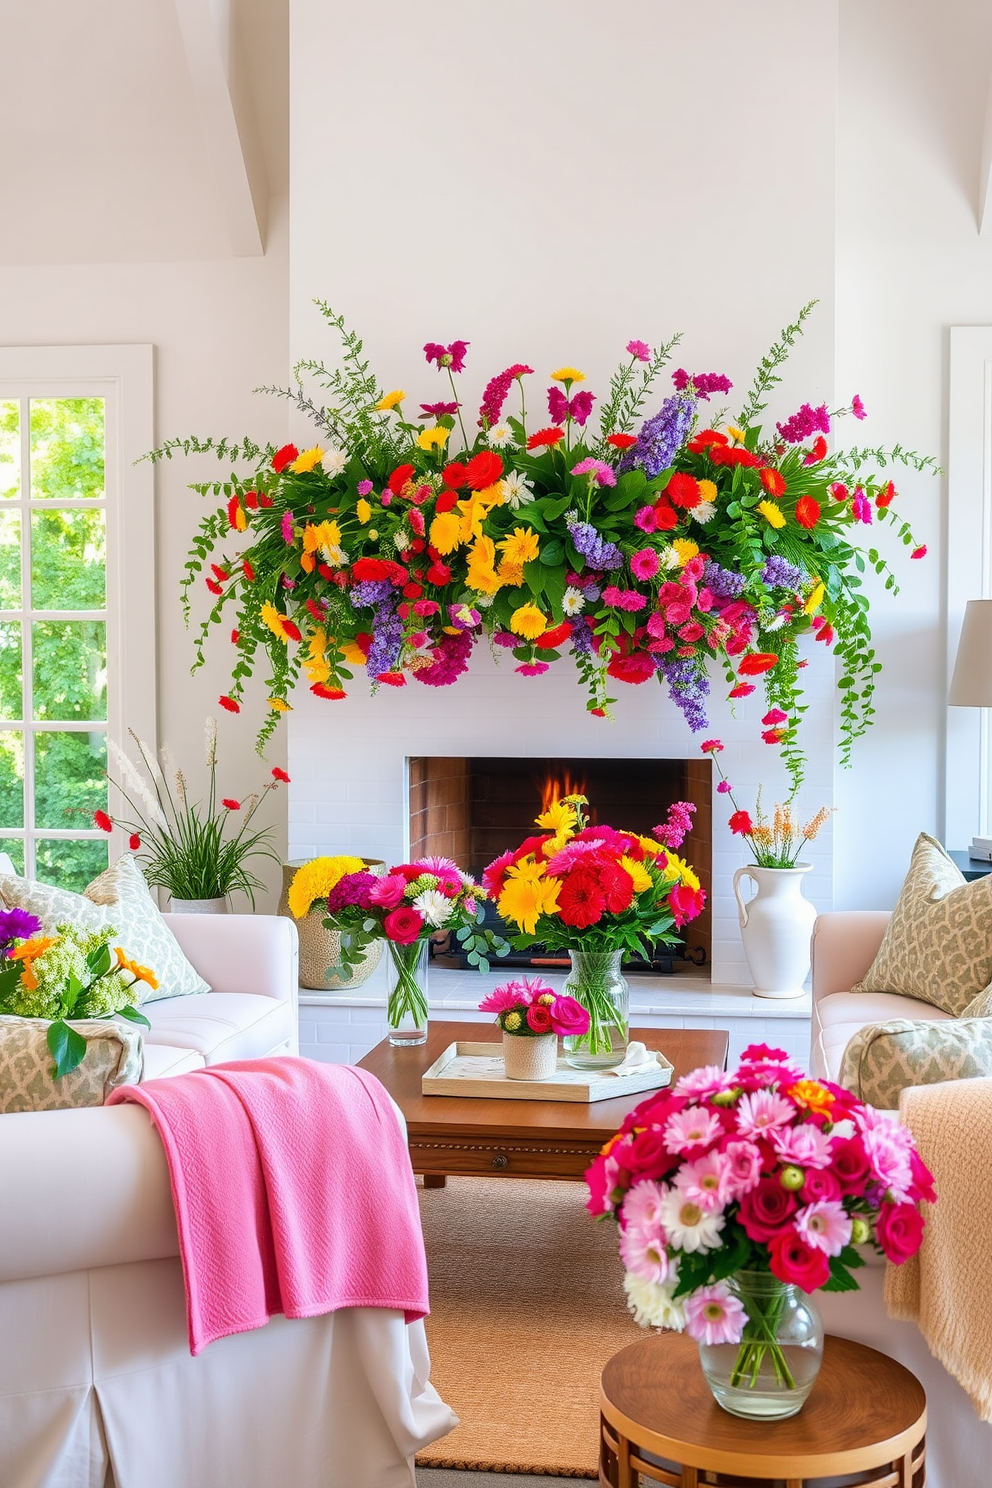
{"x": 693, "y": 1127}
{"x": 687, "y": 1225}
{"x": 714, "y": 1315}
{"x": 652, "y": 1302}
{"x": 642, "y": 1205}
{"x": 760, "y": 1111}
{"x": 643, "y": 1254}
{"x": 434, "y": 907}
{"x": 806, "y": 1146}
{"x": 500, "y": 435}
{"x": 704, "y": 512}
{"x": 825, "y": 1225}
{"x": 669, "y": 558}
{"x": 333, "y": 461}
{"x": 516, "y": 489}
{"x": 706, "y": 1080}
{"x": 573, "y": 600}
{"x": 708, "y": 1182}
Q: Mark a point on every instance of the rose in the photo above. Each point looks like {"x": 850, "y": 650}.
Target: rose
{"x": 387, "y": 892}
{"x": 899, "y": 1231}
{"x": 569, "y": 1017}
{"x": 795, "y": 1262}
{"x": 849, "y": 1165}
{"x": 647, "y": 1155}
{"x": 820, "y": 1185}
{"x": 403, "y": 925}
{"x": 766, "y": 1209}
{"x": 539, "y": 1018}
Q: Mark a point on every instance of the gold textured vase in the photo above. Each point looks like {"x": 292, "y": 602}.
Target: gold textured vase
{"x": 320, "y": 949}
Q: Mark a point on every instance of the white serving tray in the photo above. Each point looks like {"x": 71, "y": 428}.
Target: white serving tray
{"x": 469, "y": 1069}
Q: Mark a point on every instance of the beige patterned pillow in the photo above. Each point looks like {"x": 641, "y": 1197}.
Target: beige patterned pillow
{"x": 114, "y": 1056}
{"x": 938, "y": 943}
{"x": 119, "y": 897}
{"x": 884, "y": 1058}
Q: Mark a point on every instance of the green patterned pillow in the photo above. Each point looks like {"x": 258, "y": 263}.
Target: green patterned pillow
{"x": 883, "y": 1059}
{"x": 119, "y": 897}
{"x": 938, "y": 943}
{"x": 114, "y": 1056}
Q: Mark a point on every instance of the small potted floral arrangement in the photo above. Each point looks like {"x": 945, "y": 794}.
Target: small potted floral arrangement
{"x": 740, "y": 1193}
{"x": 533, "y": 1016}
{"x": 598, "y": 893}
{"x": 406, "y": 907}
{"x": 73, "y": 974}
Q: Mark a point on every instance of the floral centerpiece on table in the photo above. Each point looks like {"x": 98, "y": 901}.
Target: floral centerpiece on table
{"x": 529, "y": 1008}
{"x": 733, "y": 1185}
{"x": 72, "y": 974}
{"x": 775, "y": 843}
{"x": 598, "y": 893}
{"x": 643, "y": 546}
{"x": 406, "y": 907}
{"x": 191, "y": 849}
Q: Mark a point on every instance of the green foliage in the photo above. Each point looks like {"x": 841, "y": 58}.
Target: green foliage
{"x": 767, "y": 376}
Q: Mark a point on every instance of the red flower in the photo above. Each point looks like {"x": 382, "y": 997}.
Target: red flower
{"x": 839, "y": 491}
{"x": 711, "y": 746}
{"x": 705, "y": 438}
{"x": 617, "y": 886}
{"x": 621, "y": 441}
{"x": 248, "y": 571}
{"x": 103, "y": 821}
{"x": 686, "y": 903}
{"x": 134, "y": 842}
{"x": 635, "y": 669}
{"x": 231, "y": 804}
{"x": 284, "y": 457}
{"x": 817, "y": 452}
{"x": 403, "y": 925}
{"x": 885, "y": 496}
{"x": 399, "y": 478}
{"x": 743, "y": 689}
{"x": 412, "y": 591}
{"x": 455, "y": 476}
{"x": 919, "y": 552}
{"x": 555, "y": 637}
{"x": 233, "y": 510}
{"x": 219, "y": 573}
{"x": 774, "y": 716}
{"x": 666, "y": 517}
{"x": 235, "y": 637}
{"x": 446, "y": 501}
{"x": 795, "y": 1262}
{"x": 766, "y": 1209}
{"x": 723, "y": 454}
{"x": 315, "y": 612}
{"x": 483, "y": 470}
{"x": 416, "y": 520}
{"x": 214, "y": 587}
{"x": 251, "y": 500}
{"x": 807, "y": 511}
{"x": 539, "y": 1018}
{"x": 545, "y": 437}
{"x": 773, "y": 735}
{"x": 321, "y": 690}
{"x": 772, "y": 480}
{"x": 280, "y": 774}
{"x": 392, "y": 679}
{"x": 291, "y": 631}
{"x": 757, "y": 662}
{"x": 741, "y": 824}
{"x": 683, "y": 490}
{"x": 580, "y": 902}
{"x": 264, "y": 500}
{"x": 230, "y": 704}
{"x": 439, "y": 574}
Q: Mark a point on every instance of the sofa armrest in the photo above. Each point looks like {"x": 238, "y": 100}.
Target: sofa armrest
{"x": 845, "y": 943}
{"x": 242, "y": 953}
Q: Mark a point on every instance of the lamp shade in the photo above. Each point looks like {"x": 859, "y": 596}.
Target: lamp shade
{"x": 971, "y": 684}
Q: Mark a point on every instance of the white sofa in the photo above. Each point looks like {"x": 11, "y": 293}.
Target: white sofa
{"x": 97, "y": 1385}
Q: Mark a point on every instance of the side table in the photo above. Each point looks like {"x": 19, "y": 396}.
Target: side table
{"x": 866, "y": 1416}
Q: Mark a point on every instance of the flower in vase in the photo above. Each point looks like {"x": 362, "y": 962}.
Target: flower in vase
{"x": 714, "y": 1315}
{"x": 403, "y": 925}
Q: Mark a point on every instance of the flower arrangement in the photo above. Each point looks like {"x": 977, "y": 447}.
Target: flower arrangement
{"x": 776, "y": 843}
{"x": 190, "y": 849}
{"x": 412, "y": 902}
{"x": 72, "y": 974}
{"x": 757, "y": 1170}
{"x": 644, "y": 546}
{"x": 529, "y": 1007}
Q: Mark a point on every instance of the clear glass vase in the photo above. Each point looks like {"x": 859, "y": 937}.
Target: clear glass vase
{"x": 595, "y": 982}
{"x": 774, "y": 1367}
{"x": 406, "y": 1004}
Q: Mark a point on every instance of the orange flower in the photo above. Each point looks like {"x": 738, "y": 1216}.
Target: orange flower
{"x": 807, "y": 511}
{"x": 140, "y": 973}
{"x": 812, "y": 1095}
{"x": 773, "y": 481}
{"x": 29, "y": 953}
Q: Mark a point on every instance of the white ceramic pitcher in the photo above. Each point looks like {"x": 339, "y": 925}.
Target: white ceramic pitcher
{"x": 776, "y": 926}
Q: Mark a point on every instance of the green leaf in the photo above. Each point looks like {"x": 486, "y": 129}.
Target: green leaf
{"x": 133, "y": 1016}
{"x": 99, "y": 959}
{"x": 552, "y": 554}
{"x": 66, "y": 1047}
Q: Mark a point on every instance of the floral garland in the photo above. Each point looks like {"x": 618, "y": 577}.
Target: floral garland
{"x": 645, "y": 547}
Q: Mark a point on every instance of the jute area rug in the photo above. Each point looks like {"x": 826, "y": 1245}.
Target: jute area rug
{"x": 526, "y": 1307}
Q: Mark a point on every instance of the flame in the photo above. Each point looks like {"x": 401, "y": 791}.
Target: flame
{"x": 558, "y": 784}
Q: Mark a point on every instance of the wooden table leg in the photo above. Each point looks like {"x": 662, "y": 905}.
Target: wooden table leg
{"x": 435, "y": 1180}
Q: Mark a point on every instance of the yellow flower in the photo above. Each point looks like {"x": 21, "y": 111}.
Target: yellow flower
{"x": 815, "y": 600}
{"x": 685, "y": 549}
{"x": 390, "y": 400}
{"x": 363, "y": 511}
{"x": 307, "y": 460}
{"x": 446, "y": 532}
{"x": 316, "y": 664}
{"x": 351, "y": 651}
{"x": 520, "y": 548}
{"x": 316, "y": 879}
{"x": 560, "y": 819}
{"x": 512, "y": 1021}
{"x": 275, "y": 621}
{"x": 651, "y": 846}
{"x": 510, "y": 576}
{"x": 568, "y": 374}
{"x": 481, "y": 574}
{"x": 140, "y": 973}
{"x": 735, "y": 433}
{"x": 323, "y": 540}
{"x": 524, "y": 899}
{"x": 812, "y": 1095}
{"x": 707, "y": 490}
{"x": 679, "y": 868}
{"x": 435, "y": 438}
{"x": 491, "y": 495}
{"x": 638, "y": 872}
{"x": 279, "y": 705}
{"x": 528, "y": 622}
{"x": 772, "y": 514}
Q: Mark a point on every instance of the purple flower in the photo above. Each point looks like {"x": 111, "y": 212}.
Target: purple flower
{"x": 387, "y": 633}
{"x": 369, "y": 592}
{"x": 661, "y": 436}
{"x": 857, "y": 407}
{"x": 701, "y": 383}
{"x": 640, "y": 350}
{"x": 723, "y": 582}
{"x": 581, "y": 637}
{"x": 506, "y": 639}
{"x": 861, "y": 507}
{"x": 351, "y": 890}
{"x": 779, "y": 573}
{"x": 16, "y": 924}
{"x": 432, "y": 410}
{"x": 805, "y": 422}
{"x": 687, "y": 686}
{"x": 496, "y": 390}
{"x": 599, "y": 553}
{"x": 452, "y": 356}
{"x": 365, "y": 488}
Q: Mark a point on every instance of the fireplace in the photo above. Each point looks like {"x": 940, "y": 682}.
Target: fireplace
{"x": 472, "y": 808}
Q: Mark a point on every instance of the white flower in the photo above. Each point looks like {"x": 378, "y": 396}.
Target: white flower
{"x": 210, "y": 741}
{"x": 669, "y": 558}
{"x": 573, "y": 600}
{"x": 483, "y": 601}
{"x": 704, "y": 512}
{"x": 652, "y": 1302}
{"x": 516, "y": 489}
{"x": 687, "y": 1226}
{"x": 333, "y": 461}
{"x": 500, "y": 435}
{"x": 401, "y": 542}
{"x": 434, "y": 907}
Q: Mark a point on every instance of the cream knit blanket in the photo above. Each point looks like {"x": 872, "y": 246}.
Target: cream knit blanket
{"x": 945, "y": 1289}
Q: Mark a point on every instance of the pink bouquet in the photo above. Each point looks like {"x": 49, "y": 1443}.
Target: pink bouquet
{"x": 530, "y": 1007}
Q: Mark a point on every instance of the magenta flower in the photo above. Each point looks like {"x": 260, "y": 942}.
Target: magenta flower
{"x": 644, "y": 564}
{"x": 623, "y": 599}
{"x": 438, "y": 410}
{"x": 532, "y": 668}
{"x": 825, "y": 1225}
{"x": 646, "y": 518}
{"x": 496, "y": 389}
{"x": 639, "y": 350}
{"x": 604, "y": 474}
{"x": 452, "y": 356}
{"x": 804, "y": 422}
{"x": 701, "y": 383}
{"x": 775, "y": 715}
{"x": 511, "y": 995}
{"x": 287, "y": 527}
{"x": 861, "y": 507}
{"x": 561, "y": 408}
{"x": 857, "y": 407}
{"x": 387, "y": 892}
{"x": 725, "y": 787}
{"x": 365, "y": 488}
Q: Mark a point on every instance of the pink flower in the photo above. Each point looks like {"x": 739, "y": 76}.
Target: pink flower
{"x": 708, "y": 1181}
{"x": 504, "y": 999}
{"x": 825, "y": 1225}
{"x": 287, "y": 527}
{"x": 694, "y": 1127}
{"x": 644, "y": 564}
{"x": 403, "y": 925}
{"x": 795, "y": 1261}
{"x": 641, "y": 1208}
{"x": 646, "y": 519}
{"x": 857, "y": 407}
{"x": 805, "y": 1146}
{"x": 744, "y": 1159}
{"x": 603, "y": 473}
{"x": 387, "y": 892}
{"x": 601, "y": 1180}
{"x": 888, "y": 1159}
{"x": 623, "y": 599}
{"x": 775, "y": 715}
{"x": 643, "y": 1254}
{"x": 532, "y": 668}
{"x": 711, "y": 746}
{"x": 724, "y": 787}
{"x": 899, "y": 1230}
{"x": 639, "y": 349}
{"x": 820, "y": 1184}
{"x": 365, "y": 488}
{"x": 568, "y": 1017}
{"x": 919, "y": 552}
{"x": 761, "y": 1112}
{"x": 714, "y": 1315}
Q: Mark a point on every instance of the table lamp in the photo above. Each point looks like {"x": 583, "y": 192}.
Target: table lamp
{"x": 971, "y": 683}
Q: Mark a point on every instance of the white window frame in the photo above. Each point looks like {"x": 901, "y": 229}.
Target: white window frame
{"x": 124, "y": 377}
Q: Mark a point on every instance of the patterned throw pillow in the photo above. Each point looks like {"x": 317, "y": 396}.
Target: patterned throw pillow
{"x": 884, "y": 1058}
{"x": 114, "y": 1056}
{"x": 119, "y": 897}
{"x": 938, "y": 943}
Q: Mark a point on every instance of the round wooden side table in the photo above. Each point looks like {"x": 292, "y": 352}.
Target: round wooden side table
{"x": 866, "y": 1416}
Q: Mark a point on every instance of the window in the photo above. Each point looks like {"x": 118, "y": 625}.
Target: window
{"x": 76, "y": 595}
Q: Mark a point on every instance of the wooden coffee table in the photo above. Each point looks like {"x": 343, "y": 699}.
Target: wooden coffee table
{"x": 481, "y": 1138}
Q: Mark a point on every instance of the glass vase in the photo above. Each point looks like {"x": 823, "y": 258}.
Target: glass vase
{"x": 406, "y": 1004}
{"x": 773, "y": 1368}
{"x": 595, "y": 982}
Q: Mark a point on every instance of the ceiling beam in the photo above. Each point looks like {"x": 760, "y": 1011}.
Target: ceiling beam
{"x": 226, "y": 119}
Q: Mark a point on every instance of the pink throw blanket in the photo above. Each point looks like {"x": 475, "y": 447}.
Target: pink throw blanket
{"x": 293, "y": 1191}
